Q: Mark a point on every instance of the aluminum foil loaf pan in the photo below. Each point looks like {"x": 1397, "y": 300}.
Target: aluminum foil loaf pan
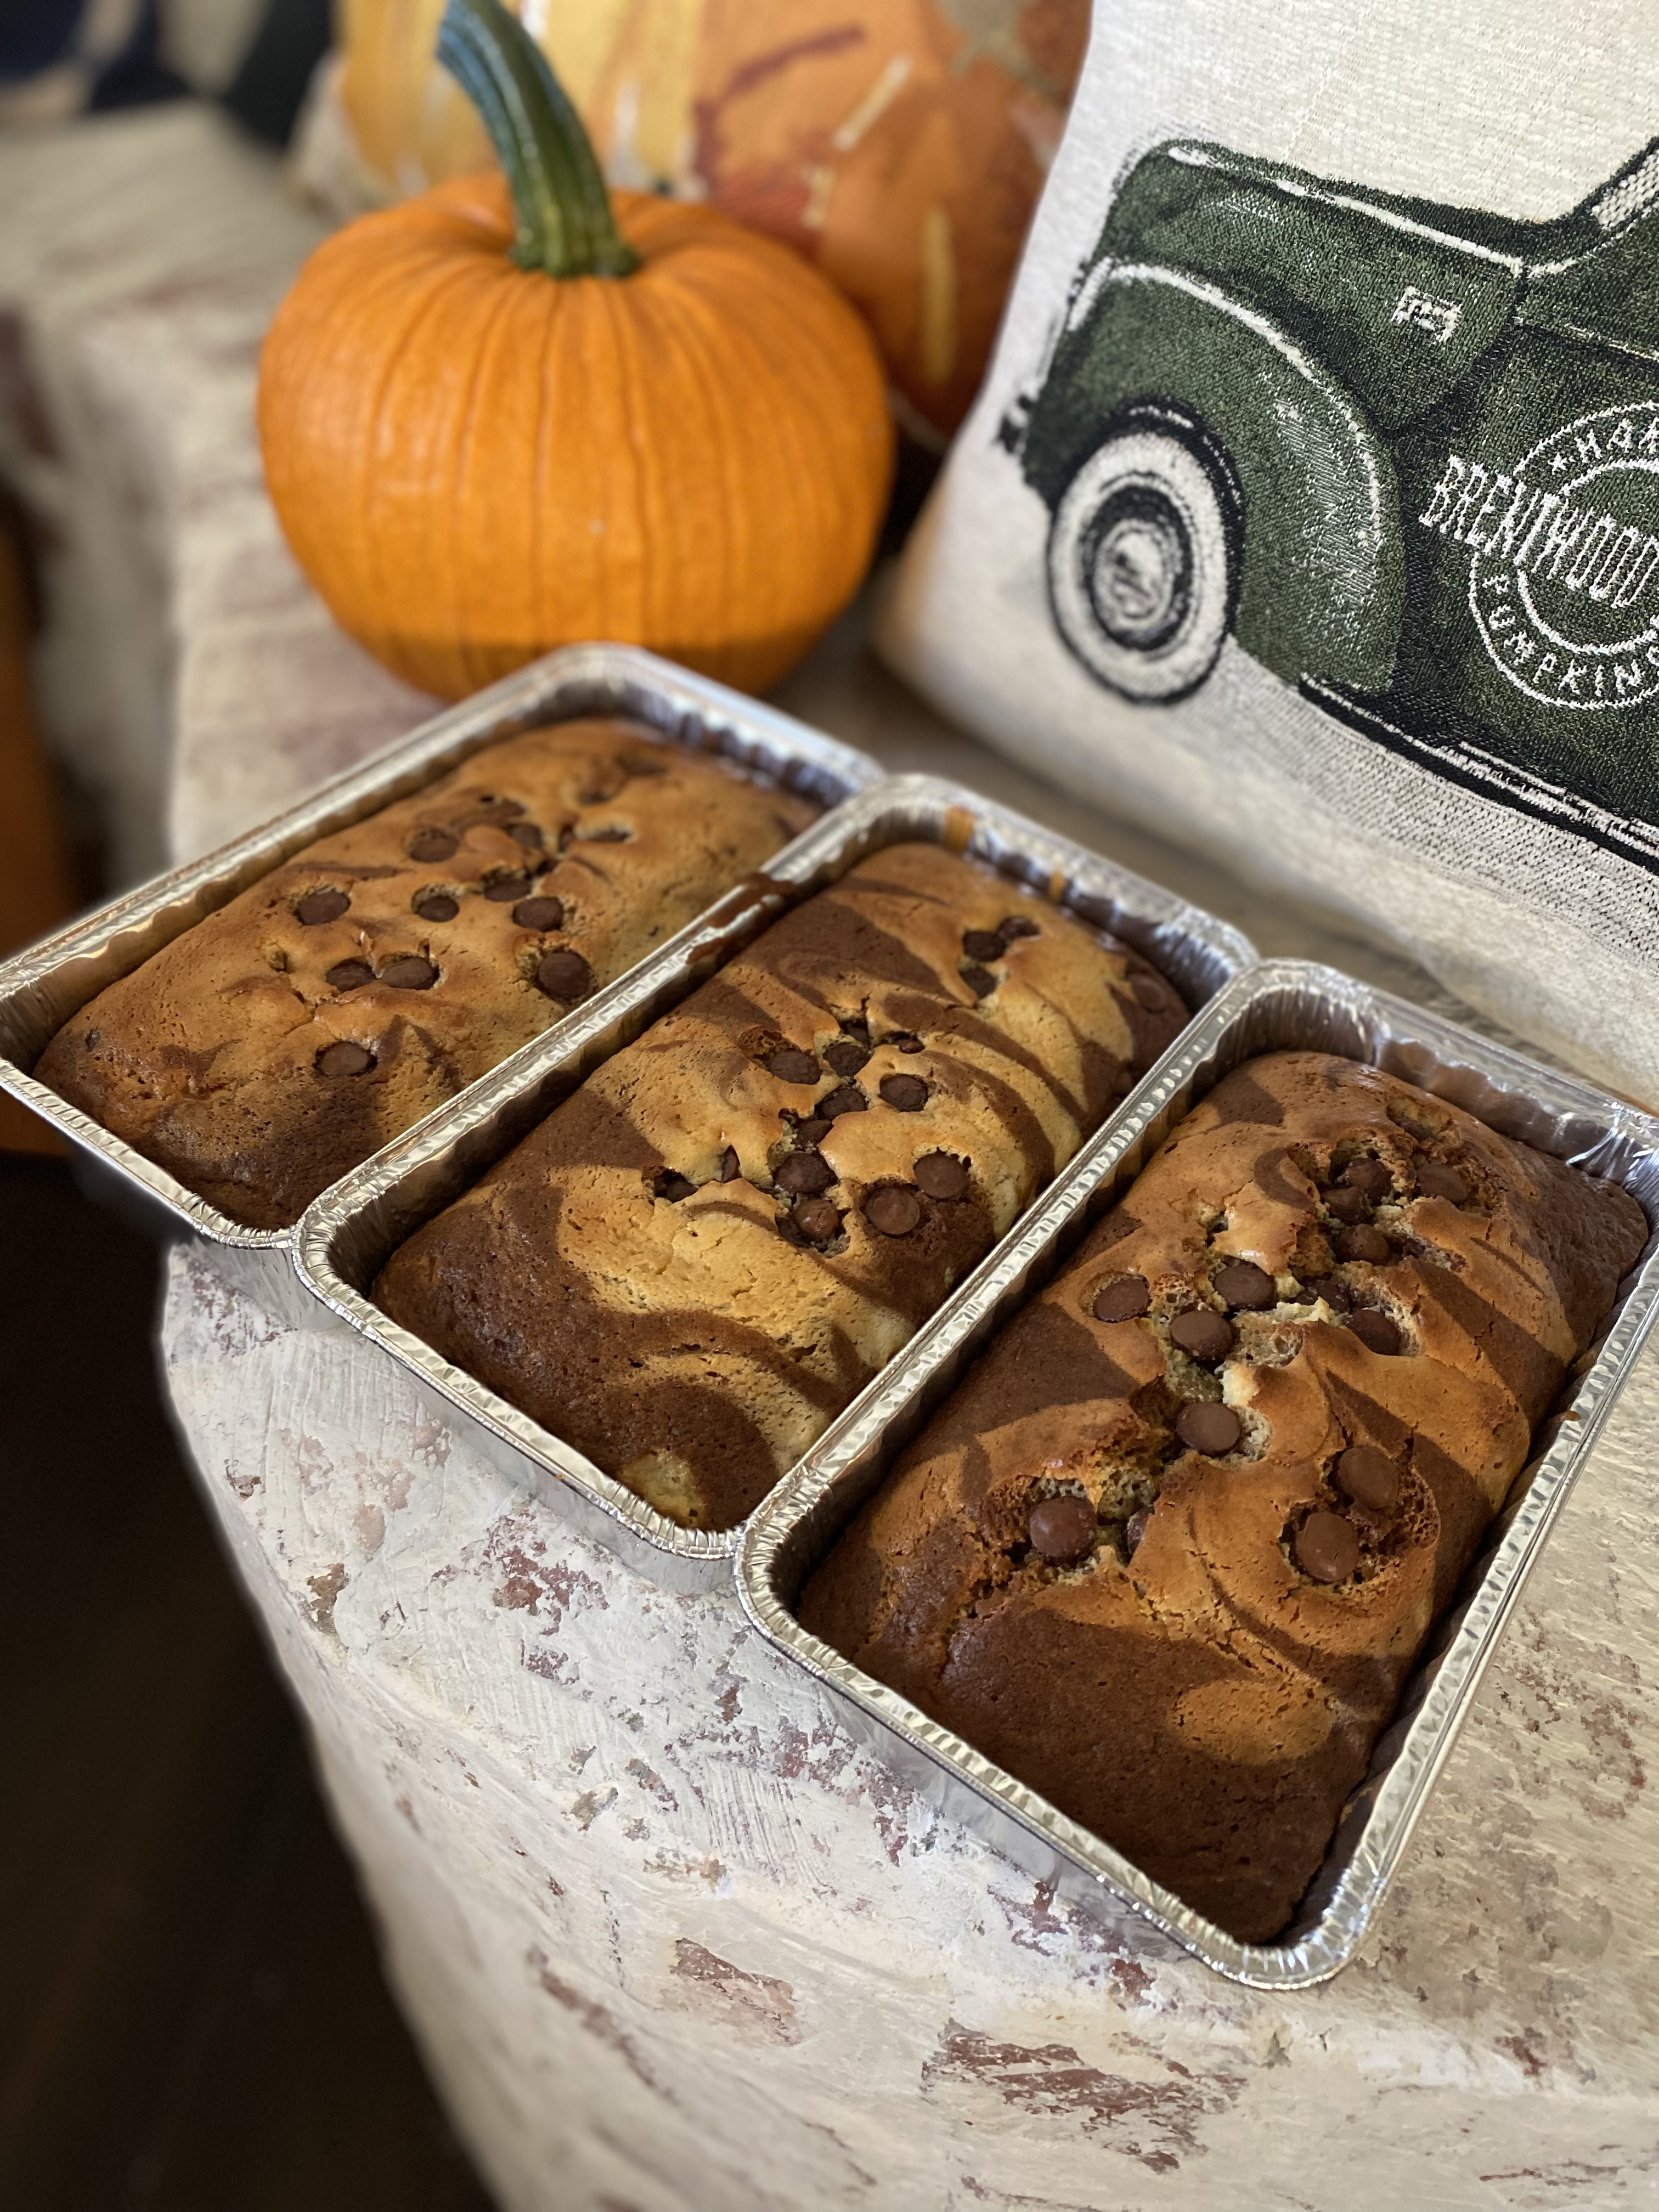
{"x": 347, "y": 1234}
{"x": 1281, "y": 1004}
{"x": 43, "y": 987}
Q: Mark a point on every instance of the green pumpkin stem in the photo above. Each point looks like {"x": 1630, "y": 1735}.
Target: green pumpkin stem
{"x": 565, "y": 225}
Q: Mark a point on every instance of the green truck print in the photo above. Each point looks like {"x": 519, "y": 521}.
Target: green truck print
{"x": 1407, "y": 455}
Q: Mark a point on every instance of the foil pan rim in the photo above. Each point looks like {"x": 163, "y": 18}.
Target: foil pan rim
{"x": 1436, "y": 1699}
{"x": 835, "y": 838}
{"x": 444, "y": 740}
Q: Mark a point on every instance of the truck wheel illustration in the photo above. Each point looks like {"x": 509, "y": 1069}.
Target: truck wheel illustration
{"x": 1406, "y": 455}
{"x": 1143, "y": 557}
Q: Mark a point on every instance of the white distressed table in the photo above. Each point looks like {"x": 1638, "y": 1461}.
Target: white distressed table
{"x": 671, "y": 1941}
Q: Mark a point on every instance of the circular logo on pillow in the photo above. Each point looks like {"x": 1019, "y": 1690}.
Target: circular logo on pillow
{"x": 1565, "y": 580}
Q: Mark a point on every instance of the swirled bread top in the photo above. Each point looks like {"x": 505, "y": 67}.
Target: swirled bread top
{"x": 697, "y": 1260}
{"x": 361, "y": 984}
{"x": 1177, "y": 1590}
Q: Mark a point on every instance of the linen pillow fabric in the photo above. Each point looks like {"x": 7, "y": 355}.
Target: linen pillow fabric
{"x": 1310, "y": 510}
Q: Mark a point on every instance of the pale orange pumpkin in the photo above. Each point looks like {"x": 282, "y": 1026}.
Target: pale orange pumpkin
{"x": 900, "y": 145}
{"x": 515, "y": 413}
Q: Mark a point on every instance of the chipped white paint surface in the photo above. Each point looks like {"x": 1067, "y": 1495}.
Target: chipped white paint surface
{"x": 672, "y": 1943}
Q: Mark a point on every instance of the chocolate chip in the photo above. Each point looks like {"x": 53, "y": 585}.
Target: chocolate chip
{"x": 812, "y": 1131}
{"x": 790, "y": 1065}
{"x": 1062, "y": 1529}
{"x": 1135, "y": 1527}
{"x": 893, "y": 1210}
{"x": 1016, "y": 925}
{"x": 980, "y": 981}
{"x": 816, "y": 1219}
{"x": 320, "y": 906}
{"x": 1434, "y": 1181}
{"x": 606, "y": 779}
{"x": 1326, "y": 1287}
{"x": 907, "y": 1094}
{"x": 1204, "y": 1426}
{"x": 1327, "y": 1547}
{"x": 1202, "y": 1334}
{"x": 845, "y": 1056}
{"x": 1375, "y": 1331}
{"x": 803, "y": 1174}
{"x": 1240, "y": 1285}
{"x": 348, "y": 976}
{"x": 1150, "y": 992}
{"x": 1126, "y": 1299}
{"x": 409, "y": 972}
{"x": 846, "y": 1100}
{"x": 343, "y": 1059}
{"x": 981, "y": 943}
{"x": 1347, "y": 1205}
{"x": 904, "y": 1043}
{"x": 501, "y": 889}
{"x": 731, "y": 1166}
{"x": 941, "y": 1175}
{"x": 1370, "y": 1177}
{"x": 539, "y": 914}
{"x": 564, "y": 974}
{"x": 672, "y": 1186}
{"x": 1364, "y": 1243}
{"x": 1368, "y": 1477}
{"x": 432, "y": 845}
{"x": 528, "y": 834}
{"x": 436, "y": 906}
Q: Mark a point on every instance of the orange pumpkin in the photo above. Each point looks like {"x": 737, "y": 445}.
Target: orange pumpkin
{"x": 515, "y": 413}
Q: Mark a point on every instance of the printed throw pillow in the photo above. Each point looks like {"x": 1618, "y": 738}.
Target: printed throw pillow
{"x": 1310, "y": 511}
{"x": 901, "y": 144}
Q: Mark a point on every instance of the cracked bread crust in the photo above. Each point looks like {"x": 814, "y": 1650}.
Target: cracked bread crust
{"x": 697, "y": 1260}
{"x": 1199, "y": 1679}
{"x": 546, "y": 865}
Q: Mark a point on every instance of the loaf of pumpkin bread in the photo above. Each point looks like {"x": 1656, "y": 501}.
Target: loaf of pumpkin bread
{"x": 697, "y": 1260}
{"x": 1168, "y": 1552}
{"x": 355, "y": 987}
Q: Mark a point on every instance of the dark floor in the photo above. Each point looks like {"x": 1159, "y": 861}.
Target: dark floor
{"x": 191, "y": 2015}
